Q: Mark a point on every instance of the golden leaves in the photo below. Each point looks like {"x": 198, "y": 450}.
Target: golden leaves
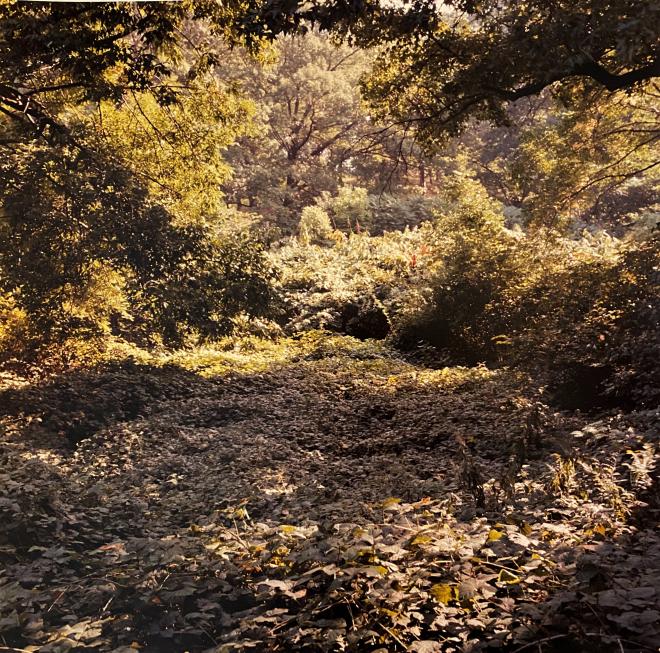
{"x": 444, "y": 593}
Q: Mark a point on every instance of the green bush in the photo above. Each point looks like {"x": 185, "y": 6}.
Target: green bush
{"x": 351, "y": 285}
{"x": 85, "y": 252}
{"x": 617, "y": 335}
{"x": 478, "y": 262}
{"x": 204, "y": 295}
{"x": 349, "y": 209}
{"x": 396, "y": 212}
{"x": 574, "y": 308}
{"x": 314, "y": 226}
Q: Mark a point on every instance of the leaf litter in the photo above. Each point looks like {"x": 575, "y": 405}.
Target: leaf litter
{"x": 342, "y": 500}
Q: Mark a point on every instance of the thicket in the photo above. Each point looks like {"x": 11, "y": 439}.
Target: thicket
{"x": 580, "y": 308}
{"x": 138, "y": 213}
{"x": 87, "y": 253}
{"x": 352, "y": 282}
{"x": 88, "y": 256}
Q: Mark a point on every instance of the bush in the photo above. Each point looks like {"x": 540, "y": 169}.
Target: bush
{"x": 315, "y": 226}
{"x": 582, "y": 311}
{"x": 395, "y": 213}
{"x": 358, "y": 285}
{"x": 13, "y": 329}
{"x": 617, "y": 337}
{"x": 207, "y": 292}
{"x": 349, "y": 209}
{"x": 478, "y": 262}
{"x": 85, "y": 252}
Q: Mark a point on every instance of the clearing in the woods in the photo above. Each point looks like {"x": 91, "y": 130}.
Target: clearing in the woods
{"x": 321, "y": 494}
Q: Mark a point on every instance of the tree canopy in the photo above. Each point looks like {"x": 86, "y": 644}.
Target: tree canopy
{"x": 440, "y": 64}
{"x": 444, "y": 63}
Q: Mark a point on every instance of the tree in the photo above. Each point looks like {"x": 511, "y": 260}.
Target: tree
{"x": 592, "y": 160}
{"x": 442, "y": 64}
{"x": 84, "y": 244}
{"x": 72, "y": 53}
{"x": 310, "y": 121}
{"x": 443, "y": 68}
{"x": 112, "y": 140}
{"x": 313, "y": 131}
{"x": 179, "y": 150}
{"x": 596, "y": 159}
{"x": 472, "y": 62}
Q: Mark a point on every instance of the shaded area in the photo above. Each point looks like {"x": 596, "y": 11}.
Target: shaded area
{"x": 76, "y": 405}
{"x": 320, "y": 505}
{"x": 364, "y": 319}
{"x": 585, "y": 387}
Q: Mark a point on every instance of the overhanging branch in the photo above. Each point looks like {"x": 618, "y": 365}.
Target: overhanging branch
{"x": 31, "y": 114}
{"x": 591, "y": 69}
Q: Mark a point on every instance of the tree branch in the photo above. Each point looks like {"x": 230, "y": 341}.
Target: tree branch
{"x": 590, "y": 69}
{"x": 31, "y": 114}
{"x": 614, "y": 82}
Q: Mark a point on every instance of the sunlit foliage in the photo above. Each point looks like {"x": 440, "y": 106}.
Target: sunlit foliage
{"x": 83, "y": 240}
{"x": 177, "y": 151}
{"x": 329, "y": 325}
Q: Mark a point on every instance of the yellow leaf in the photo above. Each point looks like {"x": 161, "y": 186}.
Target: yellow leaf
{"x": 508, "y": 577}
{"x": 422, "y": 539}
{"x": 213, "y": 545}
{"x": 391, "y": 501}
{"x": 444, "y": 593}
{"x": 494, "y": 535}
{"x": 286, "y": 528}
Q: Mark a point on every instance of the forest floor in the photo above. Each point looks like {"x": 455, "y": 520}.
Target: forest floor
{"x": 321, "y": 495}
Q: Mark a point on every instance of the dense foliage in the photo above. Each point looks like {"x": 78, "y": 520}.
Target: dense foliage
{"x": 86, "y": 251}
{"x": 479, "y": 289}
{"x": 329, "y": 325}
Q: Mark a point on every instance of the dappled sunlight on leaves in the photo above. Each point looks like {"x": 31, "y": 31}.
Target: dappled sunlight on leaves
{"x": 320, "y": 503}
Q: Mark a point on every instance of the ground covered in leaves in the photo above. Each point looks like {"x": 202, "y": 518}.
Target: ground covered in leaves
{"x": 321, "y": 494}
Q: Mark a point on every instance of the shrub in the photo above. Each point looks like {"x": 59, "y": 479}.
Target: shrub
{"x": 617, "y": 336}
{"x": 315, "y": 226}
{"x": 477, "y": 264}
{"x": 396, "y": 212}
{"x": 584, "y": 311}
{"x": 349, "y": 209}
{"x": 207, "y": 291}
{"x": 86, "y": 252}
{"x": 357, "y": 285}
{"x": 13, "y": 328}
